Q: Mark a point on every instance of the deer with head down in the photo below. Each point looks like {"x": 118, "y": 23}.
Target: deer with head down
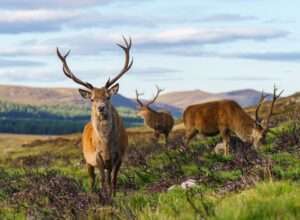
{"x": 224, "y": 117}
{"x": 161, "y": 122}
{"x": 104, "y": 138}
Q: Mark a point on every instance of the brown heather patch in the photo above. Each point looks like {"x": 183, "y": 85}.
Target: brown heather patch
{"x": 61, "y": 196}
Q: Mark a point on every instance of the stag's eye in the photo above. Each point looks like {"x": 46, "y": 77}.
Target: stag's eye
{"x": 92, "y": 100}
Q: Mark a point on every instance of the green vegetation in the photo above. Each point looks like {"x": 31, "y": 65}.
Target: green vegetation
{"x": 60, "y": 119}
{"x": 278, "y": 200}
{"x": 46, "y": 178}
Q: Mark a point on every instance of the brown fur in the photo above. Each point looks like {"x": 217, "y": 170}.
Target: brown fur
{"x": 104, "y": 141}
{"x": 221, "y": 117}
{"x": 104, "y": 138}
{"x": 161, "y": 122}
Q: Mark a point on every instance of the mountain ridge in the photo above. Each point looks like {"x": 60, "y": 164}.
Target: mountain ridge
{"x": 182, "y": 99}
{"x": 174, "y": 102}
{"x": 38, "y": 96}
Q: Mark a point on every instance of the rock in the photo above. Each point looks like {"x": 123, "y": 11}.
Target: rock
{"x": 184, "y": 185}
{"x": 220, "y": 148}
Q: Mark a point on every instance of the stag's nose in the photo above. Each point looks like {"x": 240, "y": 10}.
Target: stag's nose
{"x": 101, "y": 108}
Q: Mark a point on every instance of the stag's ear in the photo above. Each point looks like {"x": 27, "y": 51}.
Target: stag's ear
{"x": 85, "y": 94}
{"x": 114, "y": 90}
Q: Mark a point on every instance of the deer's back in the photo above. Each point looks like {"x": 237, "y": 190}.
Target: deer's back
{"x": 210, "y": 116}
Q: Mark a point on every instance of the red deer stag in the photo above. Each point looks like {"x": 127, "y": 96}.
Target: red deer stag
{"x": 160, "y": 121}
{"x": 104, "y": 139}
{"x": 227, "y": 116}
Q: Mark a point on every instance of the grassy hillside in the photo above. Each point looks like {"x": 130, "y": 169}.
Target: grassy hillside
{"x": 45, "y": 178}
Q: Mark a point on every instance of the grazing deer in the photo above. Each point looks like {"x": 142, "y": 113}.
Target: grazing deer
{"x": 160, "y": 121}
{"x": 227, "y": 116}
{"x": 104, "y": 139}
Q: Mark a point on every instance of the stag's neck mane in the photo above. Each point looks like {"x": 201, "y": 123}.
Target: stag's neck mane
{"x": 103, "y": 127}
{"x": 150, "y": 118}
{"x": 245, "y": 127}
{"x": 151, "y": 110}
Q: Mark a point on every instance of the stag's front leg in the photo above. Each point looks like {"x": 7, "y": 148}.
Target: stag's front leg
{"x": 108, "y": 181}
{"x": 92, "y": 176}
{"x": 100, "y": 164}
{"x": 189, "y": 135}
{"x": 115, "y": 171}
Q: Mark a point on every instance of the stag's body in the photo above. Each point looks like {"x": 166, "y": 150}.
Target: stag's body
{"x": 223, "y": 117}
{"x": 104, "y": 139}
{"x": 104, "y": 143}
{"x": 161, "y": 122}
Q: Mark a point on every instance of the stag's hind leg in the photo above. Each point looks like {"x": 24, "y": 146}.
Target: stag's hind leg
{"x": 156, "y": 136}
{"x": 92, "y": 176}
{"x": 166, "y": 134}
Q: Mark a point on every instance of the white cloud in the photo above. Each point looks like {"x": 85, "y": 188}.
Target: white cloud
{"x": 225, "y": 18}
{"x": 202, "y": 36}
{"x": 8, "y": 16}
{"x": 19, "y": 63}
{"x": 51, "y": 20}
{"x": 34, "y": 75}
{"x": 173, "y": 41}
{"x": 32, "y": 4}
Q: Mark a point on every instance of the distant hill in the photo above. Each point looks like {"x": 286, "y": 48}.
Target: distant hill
{"x": 246, "y": 97}
{"x": 174, "y": 102}
{"x": 64, "y": 96}
{"x": 52, "y": 96}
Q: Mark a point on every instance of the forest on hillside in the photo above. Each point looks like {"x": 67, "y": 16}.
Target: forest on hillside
{"x": 58, "y": 119}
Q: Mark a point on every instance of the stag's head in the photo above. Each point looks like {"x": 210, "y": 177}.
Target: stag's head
{"x": 99, "y": 96}
{"x": 263, "y": 126}
{"x": 144, "y": 108}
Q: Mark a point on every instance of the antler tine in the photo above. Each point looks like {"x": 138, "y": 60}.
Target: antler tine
{"x": 127, "y": 65}
{"x": 262, "y": 98}
{"x": 137, "y": 98}
{"x": 67, "y": 71}
{"x": 275, "y": 97}
{"x": 156, "y": 96}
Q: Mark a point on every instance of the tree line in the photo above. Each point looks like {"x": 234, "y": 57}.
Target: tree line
{"x": 58, "y": 119}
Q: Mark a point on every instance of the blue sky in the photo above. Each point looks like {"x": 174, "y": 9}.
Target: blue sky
{"x": 179, "y": 45}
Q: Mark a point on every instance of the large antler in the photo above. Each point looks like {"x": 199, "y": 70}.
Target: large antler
{"x": 127, "y": 65}
{"x": 156, "y": 96}
{"x": 275, "y": 97}
{"x": 137, "y": 98}
{"x": 262, "y": 98}
{"x": 67, "y": 71}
